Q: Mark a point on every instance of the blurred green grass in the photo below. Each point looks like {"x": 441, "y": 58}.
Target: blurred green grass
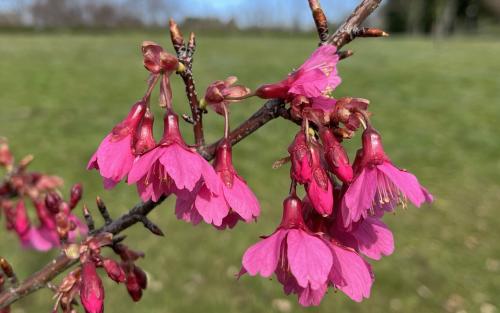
{"x": 437, "y": 105}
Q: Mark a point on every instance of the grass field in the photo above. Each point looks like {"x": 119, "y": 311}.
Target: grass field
{"x": 437, "y": 106}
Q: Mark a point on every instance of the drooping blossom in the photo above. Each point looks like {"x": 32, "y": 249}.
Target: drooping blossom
{"x": 235, "y": 201}
{"x": 292, "y": 252}
{"x": 218, "y": 92}
{"x": 91, "y": 289}
{"x": 378, "y": 184}
{"x": 316, "y": 77}
{"x": 114, "y": 157}
{"x": 171, "y": 166}
{"x": 307, "y": 263}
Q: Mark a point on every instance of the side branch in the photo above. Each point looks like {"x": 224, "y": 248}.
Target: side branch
{"x": 347, "y": 31}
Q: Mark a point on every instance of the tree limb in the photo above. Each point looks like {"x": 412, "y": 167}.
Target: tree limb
{"x": 269, "y": 111}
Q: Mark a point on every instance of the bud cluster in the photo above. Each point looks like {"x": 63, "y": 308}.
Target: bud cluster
{"x": 56, "y": 224}
{"x": 85, "y": 280}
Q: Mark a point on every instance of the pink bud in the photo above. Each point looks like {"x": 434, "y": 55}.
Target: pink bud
{"x": 319, "y": 189}
{"x": 114, "y": 270}
{"x": 91, "y": 289}
{"x": 21, "y": 222}
{"x": 335, "y": 156}
{"x": 301, "y": 169}
{"x": 75, "y": 195}
{"x": 144, "y": 139}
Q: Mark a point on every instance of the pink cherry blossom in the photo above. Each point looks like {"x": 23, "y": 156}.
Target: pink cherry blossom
{"x": 235, "y": 201}
{"x": 114, "y": 157}
{"x": 171, "y": 166}
{"x": 293, "y": 249}
{"x": 316, "y": 77}
{"x": 378, "y": 184}
{"x": 369, "y": 236}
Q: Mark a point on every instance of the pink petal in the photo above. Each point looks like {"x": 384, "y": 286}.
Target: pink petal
{"x": 210, "y": 177}
{"x": 184, "y": 206}
{"x": 183, "y": 166}
{"x": 312, "y": 297}
{"x": 115, "y": 158}
{"x": 36, "y": 241}
{"x": 262, "y": 258}
{"x": 242, "y": 200}
{"x": 211, "y": 207}
{"x": 359, "y": 196}
{"x": 309, "y": 258}
{"x": 406, "y": 182}
{"x": 143, "y": 164}
{"x": 374, "y": 238}
{"x": 350, "y": 273}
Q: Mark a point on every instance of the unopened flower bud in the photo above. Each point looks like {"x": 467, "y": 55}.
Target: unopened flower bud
{"x": 114, "y": 270}
{"x": 133, "y": 287}
{"x": 336, "y": 156}
{"x": 141, "y": 276}
{"x": 91, "y": 289}
{"x": 271, "y": 91}
{"x": 52, "y": 202}
{"x": 144, "y": 139}
{"x": 75, "y": 195}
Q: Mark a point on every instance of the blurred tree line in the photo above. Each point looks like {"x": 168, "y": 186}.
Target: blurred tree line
{"x": 440, "y": 17}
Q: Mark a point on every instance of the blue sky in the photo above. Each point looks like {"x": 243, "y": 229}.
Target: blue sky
{"x": 248, "y": 12}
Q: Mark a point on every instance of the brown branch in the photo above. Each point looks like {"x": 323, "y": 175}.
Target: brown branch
{"x": 347, "y": 31}
{"x": 319, "y": 20}
{"x": 185, "y": 54}
{"x": 269, "y": 111}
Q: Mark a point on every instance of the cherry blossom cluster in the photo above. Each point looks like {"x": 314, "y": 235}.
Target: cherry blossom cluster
{"x": 22, "y": 190}
{"x": 85, "y": 280}
{"x": 325, "y": 238}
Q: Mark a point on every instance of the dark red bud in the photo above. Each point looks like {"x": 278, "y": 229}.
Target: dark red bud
{"x": 75, "y": 195}
{"x": 133, "y": 287}
{"x": 114, "y": 270}
{"x": 271, "y": 91}
{"x": 52, "y": 202}
{"x": 141, "y": 276}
